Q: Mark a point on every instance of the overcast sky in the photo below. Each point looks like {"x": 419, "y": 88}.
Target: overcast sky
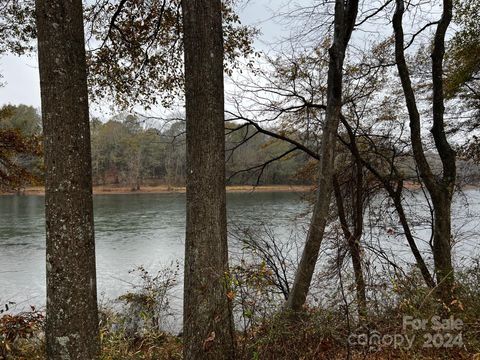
{"x": 20, "y": 74}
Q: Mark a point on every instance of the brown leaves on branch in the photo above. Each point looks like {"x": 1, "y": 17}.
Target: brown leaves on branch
{"x": 135, "y": 47}
{"x": 136, "y": 54}
{"x": 16, "y": 149}
{"x": 13, "y": 145}
{"x": 14, "y": 328}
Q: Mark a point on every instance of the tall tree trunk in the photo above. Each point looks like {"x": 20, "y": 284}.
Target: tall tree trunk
{"x": 345, "y": 15}
{"x": 354, "y": 241}
{"x": 439, "y": 188}
{"x": 442, "y": 201}
{"x": 208, "y": 322}
{"x": 72, "y": 315}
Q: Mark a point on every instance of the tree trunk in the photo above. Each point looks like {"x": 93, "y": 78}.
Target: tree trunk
{"x": 442, "y": 198}
{"x": 72, "y": 315}
{"x": 442, "y": 253}
{"x": 395, "y": 195}
{"x": 345, "y": 15}
{"x": 208, "y": 322}
{"x": 439, "y": 188}
{"x": 353, "y": 241}
{"x": 355, "y": 252}
{"x": 397, "y": 201}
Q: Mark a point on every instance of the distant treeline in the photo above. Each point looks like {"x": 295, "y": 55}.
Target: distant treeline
{"x": 126, "y": 152}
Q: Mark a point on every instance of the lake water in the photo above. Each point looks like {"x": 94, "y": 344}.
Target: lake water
{"x": 131, "y": 230}
{"x": 148, "y": 230}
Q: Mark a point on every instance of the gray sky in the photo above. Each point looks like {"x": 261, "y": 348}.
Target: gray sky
{"x": 20, "y": 74}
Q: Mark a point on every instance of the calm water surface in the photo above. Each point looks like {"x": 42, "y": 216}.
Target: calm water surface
{"x": 131, "y": 230}
{"x": 148, "y": 230}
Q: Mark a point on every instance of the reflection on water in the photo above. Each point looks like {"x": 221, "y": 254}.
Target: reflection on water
{"x": 148, "y": 230}
{"x": 131, "y": 230}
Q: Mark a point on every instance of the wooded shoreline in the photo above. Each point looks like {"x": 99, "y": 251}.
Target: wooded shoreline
{"x": 165, "y": 189}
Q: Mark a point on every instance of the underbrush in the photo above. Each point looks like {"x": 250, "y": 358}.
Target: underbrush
{"x": 21, "y": 335}
{"x": 411, "y": 325}
{"x": 134, "y": 330}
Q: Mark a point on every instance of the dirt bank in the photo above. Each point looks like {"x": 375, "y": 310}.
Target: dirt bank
{"x": 164, "y": 189}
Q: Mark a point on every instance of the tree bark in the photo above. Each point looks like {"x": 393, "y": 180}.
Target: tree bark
{"x": 72, "y": 315}
{"x": 440, "y": 188}
{"x": 208, "y": 322}
{"x": 345, "y": 15}
{"x": 353, "y": 241}
{"x": 442, "y": 249}
{"x": 442, "y": 201}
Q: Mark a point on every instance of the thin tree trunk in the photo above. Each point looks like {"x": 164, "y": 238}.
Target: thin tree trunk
{"x": 345, "y": 15}
{"x": 72, "y": 315}
{"x": 440, "y": 189}
{"x": 395, "y": 195}
{"x": 208, "y": 323}
{"x": 397, "y": 202}
{"x": 353, "y": 241}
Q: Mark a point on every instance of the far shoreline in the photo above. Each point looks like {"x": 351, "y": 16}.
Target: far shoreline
{"x": 165, "y": 189}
